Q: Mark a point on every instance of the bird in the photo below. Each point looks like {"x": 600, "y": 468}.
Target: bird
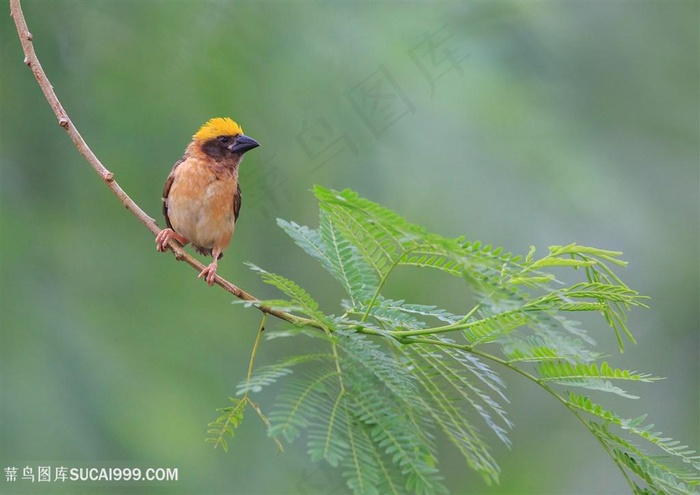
{"x": 202, "y": 195}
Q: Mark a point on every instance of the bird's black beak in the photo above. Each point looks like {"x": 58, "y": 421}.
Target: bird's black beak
{"x": 242, "y": 144}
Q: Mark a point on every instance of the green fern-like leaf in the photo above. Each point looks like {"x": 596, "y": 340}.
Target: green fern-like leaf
{"x": 589, "y": 376}
{"x": 444, "y": 391}
{"x": 391, "y": 226}
{"x": 561, "y": 371}
{"x": 265, "y": 376}
{"x": 603, "y": 283}
{"x": 659, "y": 478}
{"x": 296, "y": 405}
{"x": 390, "y": 312}
{"x": 309, "y": 240}
{"x": 358, "y": 405}
{"x": 373, "y": 241}
{"x": 347, "y": 266}
{"x": 367, "y": 469}
{"x": 402, "y": 445}
{"x": 491, "y": 328}
{"x": 436, "y": 258}
{"x": 431, "y": 311}
{"x": 635, "y": 426}
{"x": 226, "y": 423}
{"x": 537, "y": 348}
{"x": 299, "y": 296}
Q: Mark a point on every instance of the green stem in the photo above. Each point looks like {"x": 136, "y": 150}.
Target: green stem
{"x": 251, "y": 363}
{"x": 385, "y": 277}
{"x": 460, "y": 325}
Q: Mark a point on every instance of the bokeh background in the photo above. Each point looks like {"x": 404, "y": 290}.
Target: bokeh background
{"x": 513, "y": 123}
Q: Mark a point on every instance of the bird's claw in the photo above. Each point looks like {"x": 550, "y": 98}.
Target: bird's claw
{"x": 209, "y": 273}
{"x": 163, "y": 238}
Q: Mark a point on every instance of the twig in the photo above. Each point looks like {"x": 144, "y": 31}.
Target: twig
{"x": 31, "y": 60}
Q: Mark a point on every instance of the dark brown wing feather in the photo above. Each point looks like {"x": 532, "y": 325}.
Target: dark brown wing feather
{"x": 237, "y": 202}
{"x": 166, "y": 190}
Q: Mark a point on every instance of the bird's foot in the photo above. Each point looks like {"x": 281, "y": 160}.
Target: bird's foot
{"x": 164, "y": 237}
{"x": 209, "y": 273}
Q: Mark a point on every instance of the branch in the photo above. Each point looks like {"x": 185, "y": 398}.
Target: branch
{"x": 31, "y": 60}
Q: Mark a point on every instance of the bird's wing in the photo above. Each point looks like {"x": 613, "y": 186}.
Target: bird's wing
{"x": 166, "y": 190}
{"x": 237, "y": 202}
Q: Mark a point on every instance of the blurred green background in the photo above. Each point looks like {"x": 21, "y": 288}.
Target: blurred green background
{"x": 511, "y": 123}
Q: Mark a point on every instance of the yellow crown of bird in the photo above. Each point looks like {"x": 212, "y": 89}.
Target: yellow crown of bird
{"x": 218, "y": 127}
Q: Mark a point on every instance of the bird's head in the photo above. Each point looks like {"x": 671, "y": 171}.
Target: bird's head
{"x": 222, "y": 137}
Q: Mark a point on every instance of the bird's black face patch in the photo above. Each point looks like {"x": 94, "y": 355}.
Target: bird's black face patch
{"x": 218, "y": 147}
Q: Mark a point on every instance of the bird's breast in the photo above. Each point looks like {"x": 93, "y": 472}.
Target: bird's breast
{"x": 200, "y": 204}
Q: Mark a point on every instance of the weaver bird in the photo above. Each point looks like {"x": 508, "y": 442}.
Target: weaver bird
{"x": 202, "y": 196}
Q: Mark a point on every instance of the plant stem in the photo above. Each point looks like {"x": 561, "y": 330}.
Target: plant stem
{"x": 251, "y": 363}
{"x": 460, "y": 325}
{"x": 385, "y": 277}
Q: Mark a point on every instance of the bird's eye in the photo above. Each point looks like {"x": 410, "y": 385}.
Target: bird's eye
{"x": 223, "y": 139}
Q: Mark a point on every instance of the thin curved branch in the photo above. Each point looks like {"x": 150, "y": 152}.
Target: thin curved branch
{"x": 32, "y": 61}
